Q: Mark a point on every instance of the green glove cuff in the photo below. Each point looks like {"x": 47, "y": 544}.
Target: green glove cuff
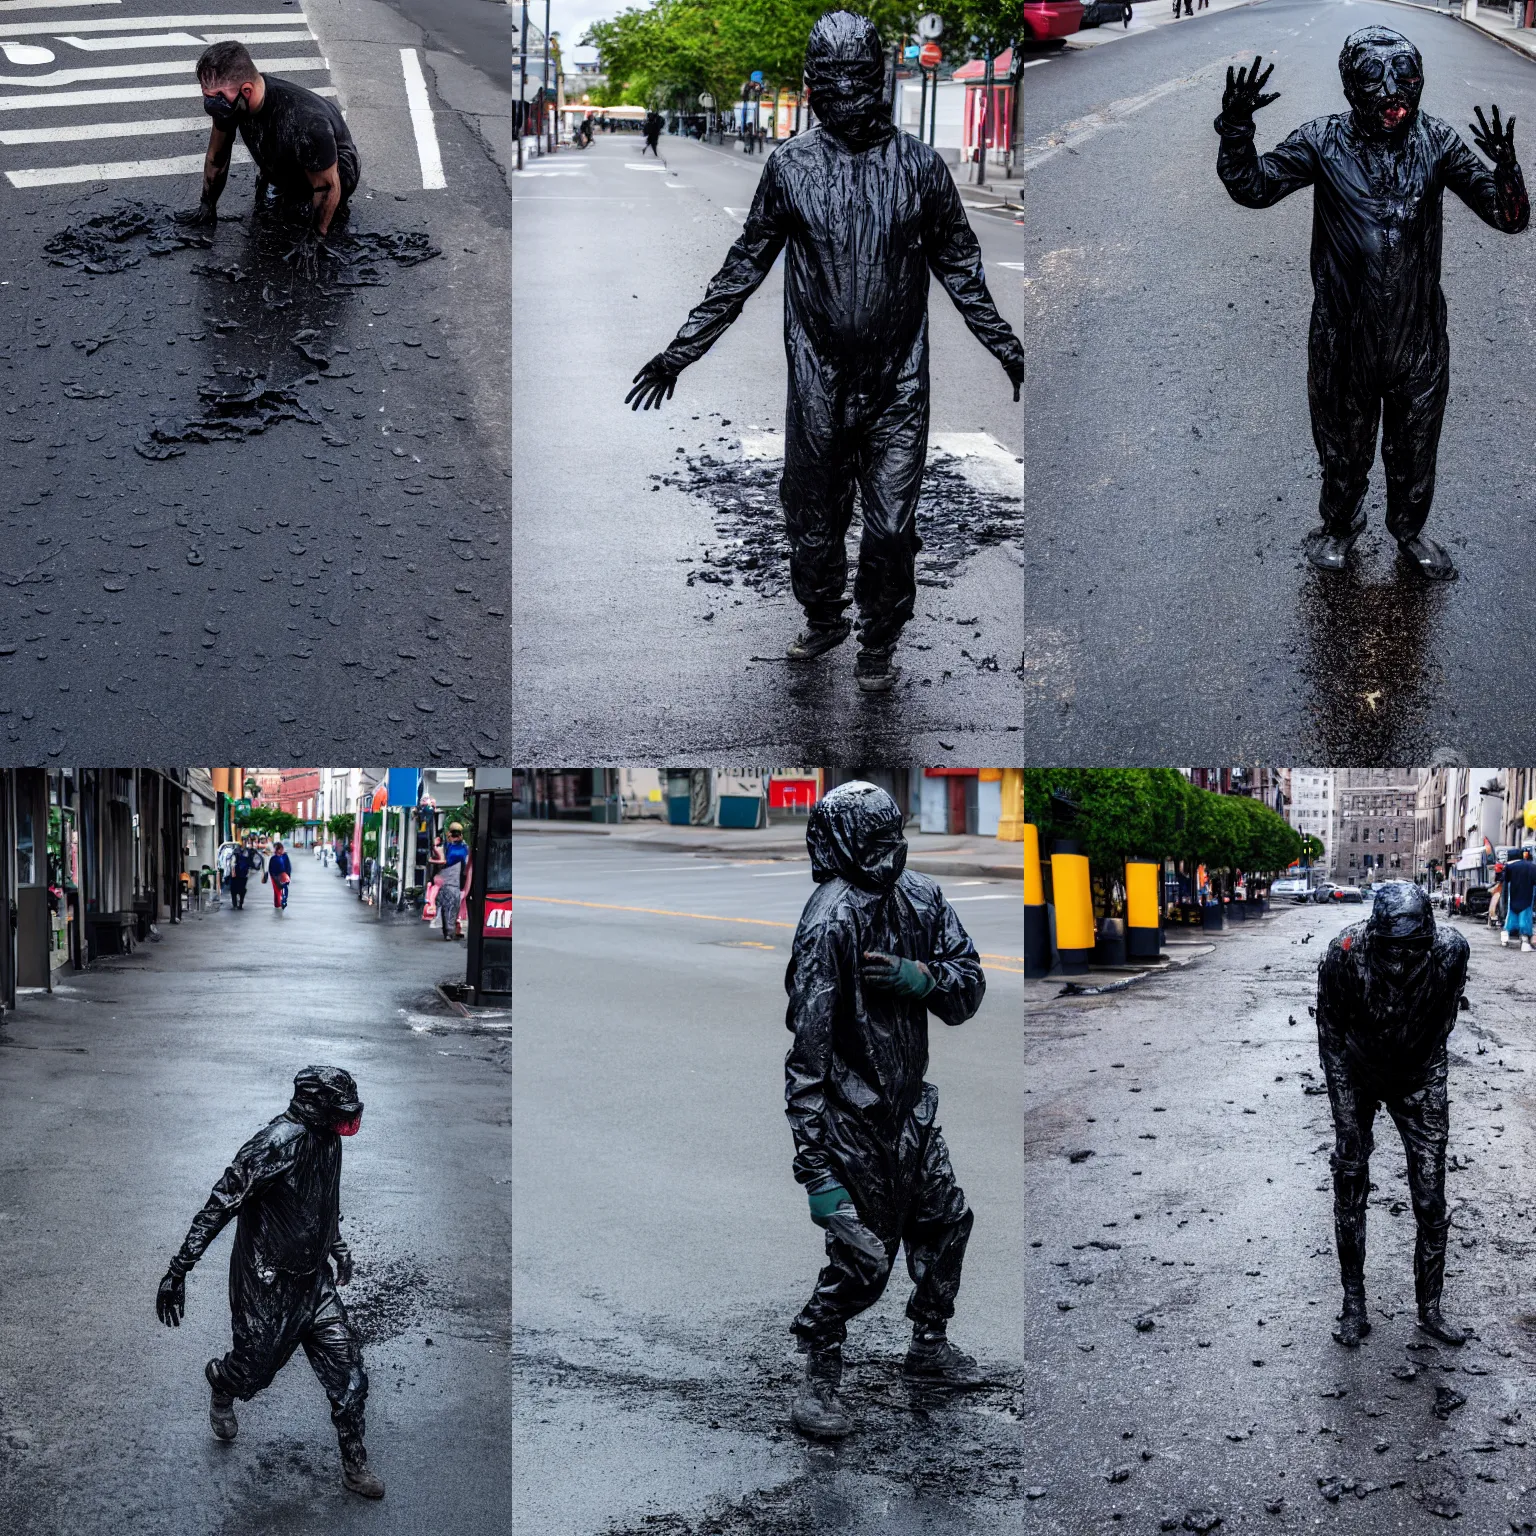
{"x": 915, "y": 980}
{"x": 825, "y": 1203}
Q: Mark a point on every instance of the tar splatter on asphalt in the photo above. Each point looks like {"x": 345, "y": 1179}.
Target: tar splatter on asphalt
{"x": 954, "y": 520}
{"x": 386, "y": 1300}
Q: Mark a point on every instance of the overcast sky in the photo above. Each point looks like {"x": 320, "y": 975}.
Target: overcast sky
{"x": 571, "y": 18}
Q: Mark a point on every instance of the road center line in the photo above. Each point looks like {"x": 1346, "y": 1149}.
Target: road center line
{"x": 608, "y": 906}
{"x": 427, "y": 151}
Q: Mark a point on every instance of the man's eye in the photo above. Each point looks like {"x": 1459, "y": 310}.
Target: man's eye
{"x": 1405, "y": 67}
{"x": 1372, "y": 70}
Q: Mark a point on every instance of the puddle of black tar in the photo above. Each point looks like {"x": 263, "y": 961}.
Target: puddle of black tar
{"x": 954, "y": 519}
{"x": 385, "y": 1300}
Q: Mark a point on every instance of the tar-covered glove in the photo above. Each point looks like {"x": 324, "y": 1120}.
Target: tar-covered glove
{"x": 171, "y": 1303}
{"x": 653, "y": 384}
{"x": 1245, "y": 95}
{"x": 902, "y": 978}
{"x": 305, "y": 255}
{"x": 203, "y": 214}
{"x": 341, "y": 1256}
{"x": 827, "y": 1197}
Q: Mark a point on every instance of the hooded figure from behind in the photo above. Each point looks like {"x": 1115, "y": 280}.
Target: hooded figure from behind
{"x": 284, "y": 1191}
{"x": 877, "y": 950}
{"x": 866, "y": 213}
{"x": 1379, "y": 353}
{"x": 1388, "y": 992}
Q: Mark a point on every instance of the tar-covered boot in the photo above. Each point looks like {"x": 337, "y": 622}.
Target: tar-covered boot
{"x": 1351, "y": 1190}
{"x": 1329, "y": 551}
{"x": 1431, "y": 560}
{"x": 221, "y": 1408}
{"x": 816, "y": 639}
{"x": 1428, "y": 1280}
{"x": 932, "y": 1358}
{"x": 874, "y": 671}
{"x": 355, "y": 1471}
{"x": 818, "y": 1411}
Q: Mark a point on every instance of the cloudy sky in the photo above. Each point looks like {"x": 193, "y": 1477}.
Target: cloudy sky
{"x": 571, "y": 18}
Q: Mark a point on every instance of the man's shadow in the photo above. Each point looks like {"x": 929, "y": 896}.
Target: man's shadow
{"x": 1366, "y": 660}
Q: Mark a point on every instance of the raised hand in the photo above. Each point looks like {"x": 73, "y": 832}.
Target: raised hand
{"x": 1497, "y": 142}
{"x": 653, "y": 384}
{"x": 1244, "y": 94}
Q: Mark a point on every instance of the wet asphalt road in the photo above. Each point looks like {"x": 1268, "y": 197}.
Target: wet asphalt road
{"x": 339, "y": 580}
{"x": 1206, "y": 1207}
{"x": 1170, "y": 613}
{"x": 125, "y": 1095}
{"x": 661, "y": 1245}
{"x": 620, "y": 653}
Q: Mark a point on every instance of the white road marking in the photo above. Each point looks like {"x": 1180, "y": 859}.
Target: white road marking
{"x": 954, "y": 899}
{"x": 26, "y": 53}
{"x": 77, "y": 131}
{"x": 138, "y": 71}
{"x": 116, "y": 170}
{"x": 142, "y": 93}
{"x": 1013, "y": 266}
{"x": 660, "y": 170}
{"x": 178, "y": 40}
{"x": 1030, "y": 64}
{"x": 780, "y": 874}
{"x": 51, "y": 5}
{"x": 147, "y": 23}
{"x": 739, "y": 214}
{"x": 427, "y": 151}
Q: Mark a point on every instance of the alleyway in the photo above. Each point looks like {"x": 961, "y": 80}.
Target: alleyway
{"x": 126, "y": 1092}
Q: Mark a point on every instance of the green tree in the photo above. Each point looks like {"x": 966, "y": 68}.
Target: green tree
{"x": 269, "y": 820}
{"x": 341, "y": 824}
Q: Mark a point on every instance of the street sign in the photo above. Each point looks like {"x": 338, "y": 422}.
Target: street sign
{"x": 930, "y": 26}
{"x": 706, "y": 100}
{"x": 930, "y": 55}
{"x": 910, "y": 51}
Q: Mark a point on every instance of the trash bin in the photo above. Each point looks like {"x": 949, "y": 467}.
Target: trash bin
{"x": 1109, "y": 948}
{"x": 1210, "y": 916}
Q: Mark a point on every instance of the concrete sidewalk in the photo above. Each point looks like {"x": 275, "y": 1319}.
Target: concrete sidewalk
{"x": 933, "y": 854}
{"x": 1146, "y": 17}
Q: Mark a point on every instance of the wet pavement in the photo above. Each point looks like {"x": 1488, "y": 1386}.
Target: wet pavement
{"x": 1171, "y": 615}
{"x": 126, "y": 1093}
{"x": 1181, "y": 1274}
{"x": 663, "y": 530}
{"x": 661, "y": 1245}
{"x": 347, "y": 563}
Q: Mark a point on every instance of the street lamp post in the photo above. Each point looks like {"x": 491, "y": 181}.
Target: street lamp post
{"x": 544, "y": 112}
{"x": 522, "y": 88}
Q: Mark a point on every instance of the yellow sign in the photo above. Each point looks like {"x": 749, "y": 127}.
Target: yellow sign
{"x": 1530, "y": 813}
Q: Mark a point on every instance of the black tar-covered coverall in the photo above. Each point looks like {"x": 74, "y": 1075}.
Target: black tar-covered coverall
{"x": 1382, "y": 1042}
{"x": 856, "y": 1100}
{"x": 863, "y": 228}
{"x": 1378, "y": 350}
{"x": 285, "y": 1187}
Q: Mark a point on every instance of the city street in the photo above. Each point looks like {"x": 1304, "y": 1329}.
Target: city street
{"x": 226, "y": 481}
{"x": 661, "y": 1245}
{"x": 126, "y": 1093}
{"x": 660, "y": 535}
{"x": 1181, "y": 1268}
{"x": 1170, "y": 613}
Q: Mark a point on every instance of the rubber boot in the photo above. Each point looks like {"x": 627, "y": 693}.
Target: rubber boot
{"x": 1354, "y": 1324}
{"x": 933, "y": 1359}
{"x": 1431, "y": 560}
{"x": 818, "y": 1411}
{"x": 1329, "y": 551}
{"x": 355, "y": 1471}
{"x": 815, "y": 639}
{"x": 874, "y": 671}
{"x": 1428, "y": 1281}
{"x": 221, "y": 1409}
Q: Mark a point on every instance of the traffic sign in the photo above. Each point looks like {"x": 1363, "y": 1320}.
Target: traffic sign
{"x": 706, "y": 100}
{"x": 930, "y": 55}
{"x": 930, "y": 27}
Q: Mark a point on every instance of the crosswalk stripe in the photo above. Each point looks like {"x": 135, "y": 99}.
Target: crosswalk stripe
{"x": 142, "y": 93}
{"x": 117, "y": 170}
{"x": 50, "y": 5}
{"x": 67, "y": 133}
{"x": 142, "y": 71}
{"x": 152, "y": 23}
{"x": 183, "y": 40}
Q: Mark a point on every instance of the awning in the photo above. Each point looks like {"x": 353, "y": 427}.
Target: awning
{"x": 1471, "y": 859}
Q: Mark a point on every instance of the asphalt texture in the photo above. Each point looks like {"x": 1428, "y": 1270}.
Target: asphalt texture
{"x": 650, "y": 591}
{"x": 342, "y": 576}
{"x": 1171, "y": 615}
{"x": 478, "y": 31}
{"x": 1181, "y": 1271}
{"x": 126, "y": 1094}
{"x": 661, "y": 1246}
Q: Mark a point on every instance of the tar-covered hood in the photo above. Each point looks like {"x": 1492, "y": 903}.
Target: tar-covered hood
{"x": 855, "y": 835}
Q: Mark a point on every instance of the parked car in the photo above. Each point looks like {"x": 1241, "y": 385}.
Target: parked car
{"x": 1346, "y": 893}
{"x": 1045, "y": 20}
{"x": 1322, "y": 890}
{"x": 1475, "y": 902}
{"x": 1438, "y": 898}
{"x": 1291, "y": 890}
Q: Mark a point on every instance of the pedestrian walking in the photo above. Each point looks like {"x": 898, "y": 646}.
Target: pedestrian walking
{"x": 653, "y": 127}
{"x": 453, "y": 856}
{"x": 865, "y": 213}
{"x": 242, "y": 860}
{"x": 1520, "y": 898}
{"x": 1388, "y": 993}
{"x": 279, "y": 871}
{"x": 876, "y": 951}
{"x": 1126, "y": 15}
{"x": 1379, "y": 351}
{"x": 284, "y": 1190}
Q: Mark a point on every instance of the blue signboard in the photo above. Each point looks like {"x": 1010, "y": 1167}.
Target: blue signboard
{"x": 404, "y": 785}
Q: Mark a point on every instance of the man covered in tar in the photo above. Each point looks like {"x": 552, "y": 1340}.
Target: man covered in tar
{"x": 1388, "y": 992}
{"x": 1378, "y": 351}
{"x": 866, "y": 212}
{"x": 878, "y": 948}
{"x": 285, "y": 1188}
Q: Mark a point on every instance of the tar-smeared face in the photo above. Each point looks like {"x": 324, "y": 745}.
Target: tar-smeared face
{"x": 1383, "y": 79}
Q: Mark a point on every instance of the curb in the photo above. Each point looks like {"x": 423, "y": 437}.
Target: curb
{"x": 1488, "y": 32}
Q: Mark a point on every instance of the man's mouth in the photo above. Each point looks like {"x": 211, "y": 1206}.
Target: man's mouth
{"x": 1394, "y": 114}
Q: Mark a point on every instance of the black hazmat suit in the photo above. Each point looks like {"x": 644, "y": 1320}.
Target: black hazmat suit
{"x": 859, "y": 1110}
{"x": 865, "y": 213}
{"x": 284, "y": 1191}
{"x": 1384, "y": 1014}
{"x": 1378, "y": 350}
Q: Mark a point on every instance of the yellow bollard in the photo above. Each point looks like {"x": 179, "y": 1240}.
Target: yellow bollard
{"x": 1010, "y": 826}
{"x": 1037, "y": 930}
{"x": 1074, "y": 908}
{"x": 1143, "y": 932}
